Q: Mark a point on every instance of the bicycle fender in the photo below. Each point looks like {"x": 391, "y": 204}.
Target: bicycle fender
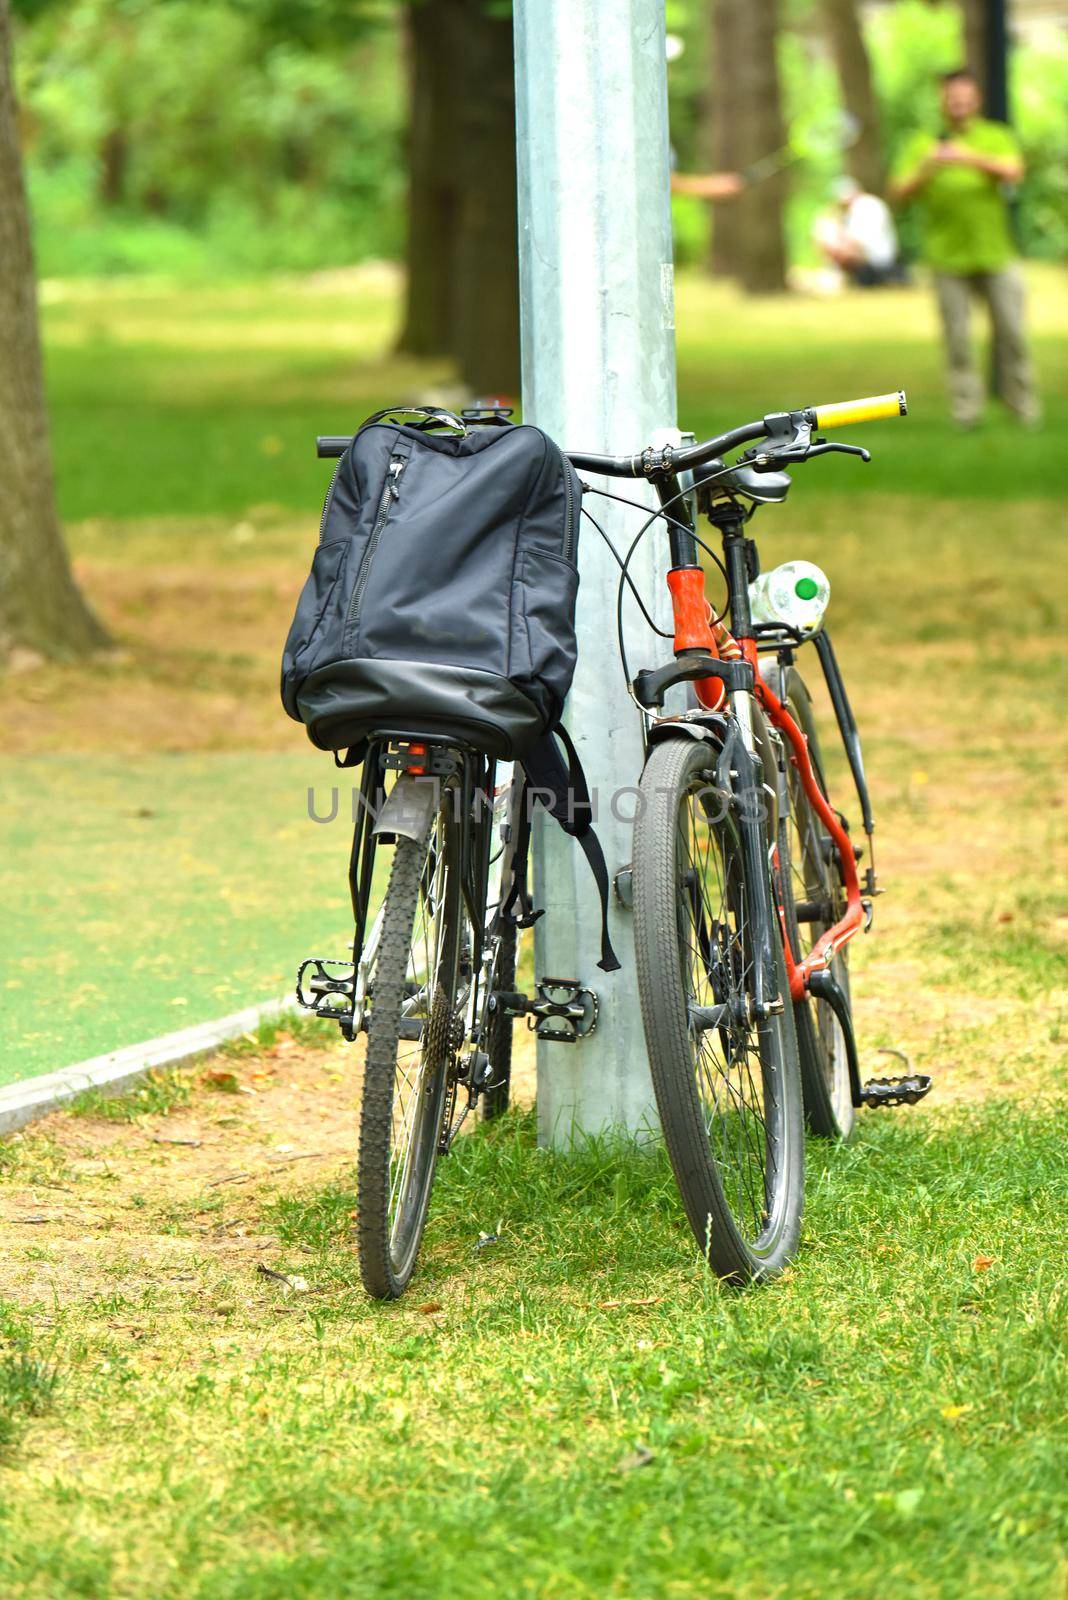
{"x": 409, "y": 808}
{"x": 707, "y": 726}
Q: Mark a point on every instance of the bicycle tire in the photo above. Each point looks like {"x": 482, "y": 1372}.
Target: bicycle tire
{"x": 388, "y": 1245}
{"x": 810, "y": 866}
{"x": 745, "y": 1235}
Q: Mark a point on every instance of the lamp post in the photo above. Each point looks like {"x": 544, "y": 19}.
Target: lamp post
{"x": 598, "y": 347}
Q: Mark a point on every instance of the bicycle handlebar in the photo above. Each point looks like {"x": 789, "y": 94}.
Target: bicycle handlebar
{"x": 844, "y": 412}
{"x": 841, "y": 413}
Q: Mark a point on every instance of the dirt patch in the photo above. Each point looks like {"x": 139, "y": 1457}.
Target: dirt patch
{"x": 88, "y": 1204}
{"x": 194, "y": 666}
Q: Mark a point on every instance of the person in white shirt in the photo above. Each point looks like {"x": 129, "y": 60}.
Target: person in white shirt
{"x": 859, "y": 236}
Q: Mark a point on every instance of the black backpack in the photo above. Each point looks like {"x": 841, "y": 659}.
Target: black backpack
{"x": 441, "y": 598}
{"x": 441, "y": 603}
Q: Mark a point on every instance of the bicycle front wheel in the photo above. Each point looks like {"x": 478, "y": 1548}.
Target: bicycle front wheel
{"x": 727, "y": 1086}
{"x": 413, "y": 1033}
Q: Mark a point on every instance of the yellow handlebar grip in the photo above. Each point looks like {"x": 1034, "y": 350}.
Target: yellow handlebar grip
{"x": 847, "y": 411}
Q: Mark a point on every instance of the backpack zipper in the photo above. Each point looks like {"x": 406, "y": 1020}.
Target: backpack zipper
{"x": 329, "y": 497}
{"x": 569, "y": 498}
{"x": 390, "y": 493}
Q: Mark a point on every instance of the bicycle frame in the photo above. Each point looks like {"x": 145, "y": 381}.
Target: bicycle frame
{"x": 693, "y": 636}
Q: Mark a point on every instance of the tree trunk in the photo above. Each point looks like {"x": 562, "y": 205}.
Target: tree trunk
{"x": 486, "y": 342}
{"x": 756, "y": 216}
{"x": 722, "y": 150}
{"x": 41, "y": 608}
{"x": 842, "y": 21}
{"x": 435, "y": 50}
{"x": 463, "y": 268}
{"x": 114, "y": 160}
{"x": 975, "y": 46}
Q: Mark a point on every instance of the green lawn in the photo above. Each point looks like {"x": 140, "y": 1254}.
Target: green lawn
{"x": 207, "y": 402}
{"x": 575, "y": 1410}
{"x": 161, "y": 891}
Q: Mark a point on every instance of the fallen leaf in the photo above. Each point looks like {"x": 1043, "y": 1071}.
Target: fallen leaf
{"x": 983, "y": 1263}
{"x": 428, "y": 1308}
{"x": 951, "y": 1413}
{"x": 222, "y": 1079}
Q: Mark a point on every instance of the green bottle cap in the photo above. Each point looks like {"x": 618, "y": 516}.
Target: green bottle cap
{"x": 806, "y": 588}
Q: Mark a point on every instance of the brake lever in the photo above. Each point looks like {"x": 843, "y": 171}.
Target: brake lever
{"x": 824, "y": 447}
{"x": 793, "y": 455}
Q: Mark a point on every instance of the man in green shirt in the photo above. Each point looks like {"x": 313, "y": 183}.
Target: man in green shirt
{"x": 958, "y": 180}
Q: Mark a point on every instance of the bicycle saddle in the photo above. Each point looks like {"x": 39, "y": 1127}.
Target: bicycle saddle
{"x": 764, "y": 487}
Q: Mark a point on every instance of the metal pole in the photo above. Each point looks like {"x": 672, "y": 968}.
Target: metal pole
{"x": 597, "y": 307}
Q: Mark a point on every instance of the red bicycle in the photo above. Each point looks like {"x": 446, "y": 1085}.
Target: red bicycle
{"x": 746, "y": 885}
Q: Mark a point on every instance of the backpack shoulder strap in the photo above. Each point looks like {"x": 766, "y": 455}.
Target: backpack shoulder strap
{"x": 562, "y": 789}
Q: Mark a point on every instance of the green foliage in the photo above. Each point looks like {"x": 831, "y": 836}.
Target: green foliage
{"x": 1040, "y": 97}
{"x": 191, "y": 137}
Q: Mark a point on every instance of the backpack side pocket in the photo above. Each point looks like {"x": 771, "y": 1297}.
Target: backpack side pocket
{"x": 543, "y": 620}
{"x": 312, "y": 619}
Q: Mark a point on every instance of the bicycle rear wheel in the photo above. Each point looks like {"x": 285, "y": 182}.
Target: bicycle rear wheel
{"x": 413, "y": 1034}
{"x": 727, "y": 1087}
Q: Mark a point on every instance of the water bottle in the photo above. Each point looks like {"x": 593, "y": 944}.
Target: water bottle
{"x": 795, "y": 594}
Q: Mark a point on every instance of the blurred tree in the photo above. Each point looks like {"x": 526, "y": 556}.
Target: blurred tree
{"x": 435, "y": 46}
{"x": 463, "y": 270}
{"x": 747, "y": 125}
{"x": 723, "y": 141}
{"x": 41, "y": 607}
{"x": 841, "y": 18}
{"x": 975, "y": 24}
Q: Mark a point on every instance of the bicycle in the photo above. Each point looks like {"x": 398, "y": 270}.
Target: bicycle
{"x": 745, "y": 882}
{"x": 724, "y": 935}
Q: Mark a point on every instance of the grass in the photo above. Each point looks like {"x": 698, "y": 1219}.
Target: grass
{"x": 573, "y": 1408}
{"x": 576, "y": 1408}
{"x": 159, "y": 1093}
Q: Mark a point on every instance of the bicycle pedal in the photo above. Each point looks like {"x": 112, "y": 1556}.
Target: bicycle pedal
{"x": 896, "y": 1091}
{"x": 564, "y": 1011}
{"x": 329, "y": 993}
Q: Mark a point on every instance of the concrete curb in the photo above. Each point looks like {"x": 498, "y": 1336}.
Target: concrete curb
{"x": 23, "y": 1102}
